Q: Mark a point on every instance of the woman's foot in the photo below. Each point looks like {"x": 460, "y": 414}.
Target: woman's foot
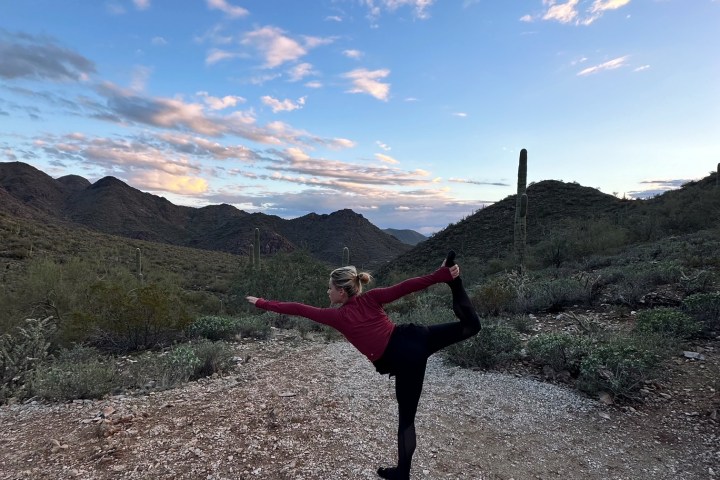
{"x": 391, "y": 473}
{"x": 450, "y": 259}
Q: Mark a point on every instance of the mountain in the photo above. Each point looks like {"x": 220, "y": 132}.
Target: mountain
{"x": 565, "y": 210}
{"x": 411, "y": 237}
{"x": 113, "y": 207}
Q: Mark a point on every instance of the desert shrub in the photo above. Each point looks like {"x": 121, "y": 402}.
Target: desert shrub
{"x": 702, "y": 281}
{"x": 496, "y": 344}
{"x": 561, "y": 351}
{"x": 20, "y": 354}
{"x": 556, "y": 294}
{"x": 705, "y": 308}
{"x": 667, "y": 322}
{"x": 255, "y": 326}
{"x": 426, "y": 316}
{"x": 215, "y": 357}
{"x": 521, "y": 323}
{"x": 122, "y": 320}
{"x": 214, "y": 327}
{"x": 181, "y": 363}
{"x": 79, "y": 372}
{"x": 620, "y": 365}
{"x": 494, "y": 297}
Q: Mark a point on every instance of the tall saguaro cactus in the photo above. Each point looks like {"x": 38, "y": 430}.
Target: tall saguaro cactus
{"x": 138, "y": 264}
{"x": 346, "y": 257}
{"x": 256, "y": 250}
{"x": 520, "y": 227}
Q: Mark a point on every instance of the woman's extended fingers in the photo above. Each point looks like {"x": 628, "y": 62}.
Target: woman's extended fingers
{"x": 252, "y": 299}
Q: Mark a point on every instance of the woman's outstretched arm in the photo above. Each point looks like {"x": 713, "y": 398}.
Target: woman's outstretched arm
{"x": 327, "y": 316}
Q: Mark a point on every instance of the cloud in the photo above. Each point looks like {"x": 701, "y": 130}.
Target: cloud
{"x": 386, "y": 158}
{"x": 333, "y": 18}
{"x": 286, "y": 105}
{"x": 314, "y": 84}
{"x": 478, "y": 182}
{"x": 300, "y": 71}
{"x": 159, "y": 41}
{"x": 229, "y": 10}
{"x": 563, "y": 13}
{"x": 164, "y": 182}
{"x": 274, "y": 46}
{"x": 570, "y": 11}
{"x": 142, "y": 4}
{"x": 352, "y": 53}
{"x": 526, "y": 18}
{"x": 217, "y": 55}
{"x": 216, "y": 103}
{"x": 420, "y": 7}
{"x": 366, "y": 81}
{"x": 609, "y": 65}
{"x": 658, "y": 187}
{"x": 460, "y": 114}
{"x": 38, "y": 57}
{"x": 383, "y": 146}
{"x": 641, "y": 68}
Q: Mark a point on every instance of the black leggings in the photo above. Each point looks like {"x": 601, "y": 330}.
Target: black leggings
{"x": 406, "y": 357}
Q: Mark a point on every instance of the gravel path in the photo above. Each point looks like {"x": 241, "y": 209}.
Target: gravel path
{"x": 312, "y": 410}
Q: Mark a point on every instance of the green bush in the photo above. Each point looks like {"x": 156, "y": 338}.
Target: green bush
{"x": 705, "y": 308}
{"x": 496, "y": 344}
{"x": 561, "y": 351}
{"x": 494, "y": 297}
{"x": 214, "y": 327}
{"x": 215, "y": 357}
{"x": 668, "y": 322}
{"x": 80, "y": 372}
{"x": 20, "y": 355}
{"x": 124, "y": 320}
{"x": 620, "y": 366}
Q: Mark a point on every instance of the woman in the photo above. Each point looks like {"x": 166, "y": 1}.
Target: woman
{"x": 399, "y": 350}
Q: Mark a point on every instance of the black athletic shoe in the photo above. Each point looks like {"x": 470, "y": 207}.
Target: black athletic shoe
{"x": 450, "y": 259}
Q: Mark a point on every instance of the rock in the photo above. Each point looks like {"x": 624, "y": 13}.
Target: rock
{"x": 694, "y": 355}
{"x": 605, "y": 398}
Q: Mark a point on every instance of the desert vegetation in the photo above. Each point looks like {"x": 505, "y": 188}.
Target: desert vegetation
{"x": 86, "y": 314}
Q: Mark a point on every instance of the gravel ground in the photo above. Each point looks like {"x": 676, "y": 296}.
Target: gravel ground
{"x": 297, "y": 409}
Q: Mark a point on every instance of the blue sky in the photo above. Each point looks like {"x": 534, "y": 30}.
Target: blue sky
{"x": 410, "y": 112}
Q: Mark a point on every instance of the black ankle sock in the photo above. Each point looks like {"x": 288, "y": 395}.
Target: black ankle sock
{"x": 450, "y": 259}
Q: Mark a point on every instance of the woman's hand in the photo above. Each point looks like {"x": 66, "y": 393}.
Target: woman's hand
{"x": 455, "y": 271}
{"x": 251, "y": 299}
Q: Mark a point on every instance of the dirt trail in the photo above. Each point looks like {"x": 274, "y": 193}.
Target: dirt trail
{"x": 311, "y": 410}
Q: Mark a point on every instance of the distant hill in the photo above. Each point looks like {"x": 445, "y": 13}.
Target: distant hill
{"x": 111, "y": 206}
{"x": 411, "y": 237}
{"x": 554, "y": 207}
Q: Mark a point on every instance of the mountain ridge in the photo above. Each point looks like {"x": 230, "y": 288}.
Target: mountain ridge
{"x": 111, "y": 206}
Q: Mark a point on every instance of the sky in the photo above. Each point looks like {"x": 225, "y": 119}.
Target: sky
{"x": 410, "y": 112}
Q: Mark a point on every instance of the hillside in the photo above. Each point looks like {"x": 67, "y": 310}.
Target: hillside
{"x": 566, "y": 211}
{"x": 113, "y": 207}
{"x": 411, "y": 237}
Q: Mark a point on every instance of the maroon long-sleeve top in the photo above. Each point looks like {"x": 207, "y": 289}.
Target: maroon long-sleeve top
{"x": 362, "y": 319}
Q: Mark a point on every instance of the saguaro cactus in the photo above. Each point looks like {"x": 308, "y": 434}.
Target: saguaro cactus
{"x": 138, "y": 264}
{"x": 256, "y": 250}
{"x": 346, "y": 257}
{"x": 520, "y": 228}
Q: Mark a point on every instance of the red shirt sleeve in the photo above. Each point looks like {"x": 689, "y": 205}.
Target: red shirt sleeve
{"x": 390, "y": 294}
{"x": 327, "y": 316}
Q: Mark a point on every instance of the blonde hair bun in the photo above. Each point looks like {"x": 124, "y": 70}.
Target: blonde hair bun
{"x": 364, "y": 277}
